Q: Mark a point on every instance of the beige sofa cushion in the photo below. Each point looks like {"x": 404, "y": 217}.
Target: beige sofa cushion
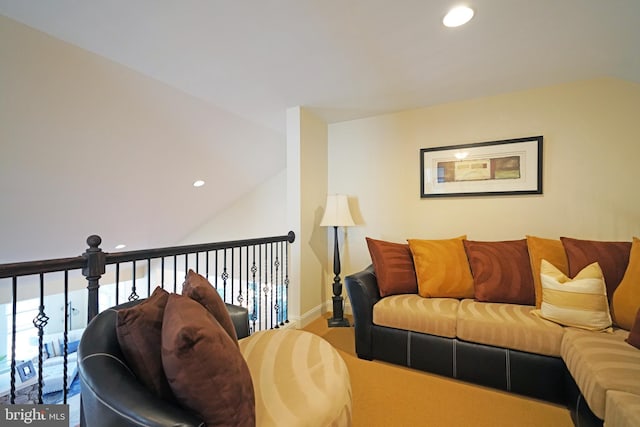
{"x": 435, "y": 316}
{"x": 508, "y": 325}
{"x": 600, "y": 362}
{"x": 622, "y": 409}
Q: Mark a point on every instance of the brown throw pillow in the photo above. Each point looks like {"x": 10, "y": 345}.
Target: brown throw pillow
{"x": 393, "y": 265}
{"x": 139, "y": 331}
{"x": 199, "y": 289}
{"x": 501, "y": 271}
{"x": 612, "y": 257}
{"x": 634, "y": 335}
{"x": 204, "y": 366}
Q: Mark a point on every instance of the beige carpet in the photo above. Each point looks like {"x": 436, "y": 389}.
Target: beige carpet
{"x": 389, "y": 395}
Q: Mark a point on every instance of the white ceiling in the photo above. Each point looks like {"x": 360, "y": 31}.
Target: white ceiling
{"x": 345, "y": 59}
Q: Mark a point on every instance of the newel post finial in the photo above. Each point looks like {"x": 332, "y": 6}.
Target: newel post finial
{"x": 94, "y": 269}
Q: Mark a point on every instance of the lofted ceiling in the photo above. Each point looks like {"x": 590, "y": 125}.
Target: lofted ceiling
{"x": 343, "y": 59}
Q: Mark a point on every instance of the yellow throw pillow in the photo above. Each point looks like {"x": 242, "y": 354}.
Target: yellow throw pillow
{"x": 442, "y": 268}
{"x": 580, "y": 302}
{"x": 626, "y": 297}
{"x": 549, "y": 249}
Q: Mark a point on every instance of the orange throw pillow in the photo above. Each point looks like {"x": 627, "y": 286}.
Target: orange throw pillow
{"x": 634, "y": 335}
{"x": 626, "y": 297}
{"x": 442, "y": 268}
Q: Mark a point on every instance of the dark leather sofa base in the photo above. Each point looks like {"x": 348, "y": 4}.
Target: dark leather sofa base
{"x": 528, "y": 374}
{"x": 581, "y": 414}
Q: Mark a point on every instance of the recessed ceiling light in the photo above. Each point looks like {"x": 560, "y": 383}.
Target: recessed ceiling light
{"x": 198, "y": 183}
{"x": 121, "y": 246}
{"x": 458, "y": 16}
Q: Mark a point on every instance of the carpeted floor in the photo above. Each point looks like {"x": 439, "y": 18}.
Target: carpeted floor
{"x": 387, "y": 395}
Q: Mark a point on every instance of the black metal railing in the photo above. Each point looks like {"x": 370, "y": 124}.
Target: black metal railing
{"x": 252, "y": 273}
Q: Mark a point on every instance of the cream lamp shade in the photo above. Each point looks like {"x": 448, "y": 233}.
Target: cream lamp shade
{"x": 336, "y": 212}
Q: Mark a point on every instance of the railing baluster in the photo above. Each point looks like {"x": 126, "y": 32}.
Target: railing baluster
{"x": 274, "y": 284}
{"x": 133, "y": 296}
{"x": 207, "y": 266}
{"x": 254, "y": 302}
{"x": 233, "y": 273}
{"x": 149, "y": 276}
{"x": 14, "y": 304}
{"x": 40, "y": 322}
{"x": 265, "y": 288}
{"x": 225, "y": 275}
{"x": 117, "y": 283}
{"x": 67, "y": 316}
{"x": 175, "y": 273}
{"x": 286, "y": 285}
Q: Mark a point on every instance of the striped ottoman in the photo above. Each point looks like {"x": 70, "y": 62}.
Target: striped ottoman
{"x": 299, "y": 379}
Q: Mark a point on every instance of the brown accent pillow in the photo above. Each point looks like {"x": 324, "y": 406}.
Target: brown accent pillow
{"x": 613, "y": 258}
{"x": 139, "y": 331}
{"x": 204, "y": 366}
{"x": 198, "y": 288}
{"x": 442, "y": 268}
{"x": 501, "y": 271}
{"x": 393, "y": 265}
{"x": 634, "y": 335}
{"x": 551, "y": 250}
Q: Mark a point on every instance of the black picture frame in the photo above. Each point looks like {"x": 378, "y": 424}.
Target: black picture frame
{"x": 493, "y": 168}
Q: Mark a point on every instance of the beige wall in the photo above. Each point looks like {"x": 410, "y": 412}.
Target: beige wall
{"x": 88, "y": 146}
{"x": 591, "y": 135}
{"x": 261, "y": 213}
{"x": 306, "y": 194}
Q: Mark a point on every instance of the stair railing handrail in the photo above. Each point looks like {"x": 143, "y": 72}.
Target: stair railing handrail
{"x": 28, "y": 268}
{"x": 93, "y": 261}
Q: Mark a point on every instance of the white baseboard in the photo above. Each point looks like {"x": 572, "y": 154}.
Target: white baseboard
{"x": 314, "y": 313}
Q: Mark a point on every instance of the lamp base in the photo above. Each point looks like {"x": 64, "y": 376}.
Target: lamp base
{"x": 338, "y": 319}
{"x": 342, "y": 323}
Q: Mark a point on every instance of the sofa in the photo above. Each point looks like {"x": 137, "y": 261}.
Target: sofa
{"x": 508, "y": 315}
{"x": 53, "y": 371}
{"x": 213, "y": 371}
{"x": 53, "y": 360}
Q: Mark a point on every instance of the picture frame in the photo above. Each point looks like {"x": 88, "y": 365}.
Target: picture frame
{"x": 493, "y": 168}
{"x": 26, "y": 370}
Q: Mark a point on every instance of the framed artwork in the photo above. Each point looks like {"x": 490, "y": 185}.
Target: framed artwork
{"x": 25, "y": 370}
{"x": 495, "y": 168}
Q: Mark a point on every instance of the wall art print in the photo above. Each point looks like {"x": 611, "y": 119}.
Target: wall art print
{"x": 507, "y": 167}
